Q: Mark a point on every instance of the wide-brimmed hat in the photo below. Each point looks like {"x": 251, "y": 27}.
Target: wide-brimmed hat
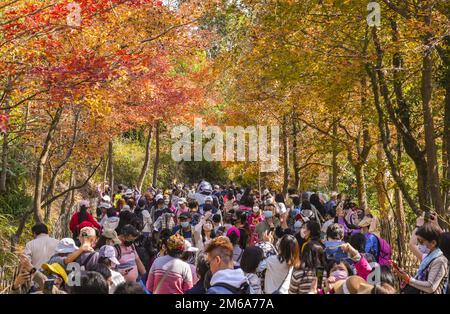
{"x": 66, "y": 245}
{"x": 111, "y": 234}
{"x": 353, "y": 285}
{"x": 188, "y": 247}
{"x": 57, "y": 269}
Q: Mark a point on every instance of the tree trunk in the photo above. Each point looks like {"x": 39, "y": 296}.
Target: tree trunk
{"x": 444, "y": 54}
{"x": 430, "y": 144}
{"x": 361, "y": 185}
{"x": 15, "y": 237}
{"x": 385, "y": 137}
{"x": 295, "y": 152}
{"x": 156, "y": 161}
{"x": 380, "y": 179}
{"x": 39, "y": 179}
{"x": 146, "y": 160}
{"x": 400, "y": 211}
{"x": 4, "y": 172}
{"x": 285, "y": 156}
{"x": 334, "y": 154}
{"x": 111, "y": 166}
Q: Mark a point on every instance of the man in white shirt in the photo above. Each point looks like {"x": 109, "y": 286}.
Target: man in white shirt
{"x": 42, "y": 247}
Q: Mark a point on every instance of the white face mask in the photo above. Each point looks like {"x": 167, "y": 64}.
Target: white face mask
{"x": 256, "y": 210}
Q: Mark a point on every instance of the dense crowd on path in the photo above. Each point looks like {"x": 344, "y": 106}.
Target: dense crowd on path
{"x": 205, "y": 239}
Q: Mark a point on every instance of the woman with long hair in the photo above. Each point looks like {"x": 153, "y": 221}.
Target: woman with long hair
{"x": 279, "y": 267}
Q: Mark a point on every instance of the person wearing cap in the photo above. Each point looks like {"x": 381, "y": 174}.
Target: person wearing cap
{"x": 56, "y": 273}
{"x": 108, "y": 256}
{"x": 188, "y": 256}
{"x": 159, "y": 208}
{"x": 269, "y": 223}
{"x": 181, "y": 208}
{"x": 169, "y": 274}
{"x": 89, "y": 257}
{"x": 32, "y": 281}
{"x": 108, "y": 237}
{"x": 184, "y": 227}
{"x": 208, "y": 205}
{"x": 103, "y": 206}
{"x": 371, "y": 239}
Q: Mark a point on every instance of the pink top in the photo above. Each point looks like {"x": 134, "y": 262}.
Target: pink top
{"x": 363, "y": 268}
{"x": 169, "y": 275}
{"x": 128, "y": 267}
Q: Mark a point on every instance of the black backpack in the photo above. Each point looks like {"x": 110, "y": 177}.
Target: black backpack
{"x": 243, "y": 289}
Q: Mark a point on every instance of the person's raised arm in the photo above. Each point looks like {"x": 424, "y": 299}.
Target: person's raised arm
{"x": 86, "y": 247}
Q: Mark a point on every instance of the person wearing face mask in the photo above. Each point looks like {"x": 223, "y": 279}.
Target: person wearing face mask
{"x": 208, "y": 205}
{"x": 269, "y": 223}
{"x": 337, "y": 270}
{"x": 130, "y": 264}
{"x": 184, "y": 227}
{"x": 310, "y": 232}
{"x": 203, "y": 231}
{"x": 253, "y": 220}
{"x": 420, "y": 250}
{"x": 432, "y": 274}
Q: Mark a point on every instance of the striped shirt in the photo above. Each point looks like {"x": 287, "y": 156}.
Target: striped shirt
{"x": 301, "y": 281}
{"x": 169, "y": 275}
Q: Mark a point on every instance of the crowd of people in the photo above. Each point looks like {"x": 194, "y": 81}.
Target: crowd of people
{"x": 205, "y": 239}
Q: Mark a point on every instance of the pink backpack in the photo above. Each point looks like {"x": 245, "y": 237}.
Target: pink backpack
{"x": 384, "y": 252}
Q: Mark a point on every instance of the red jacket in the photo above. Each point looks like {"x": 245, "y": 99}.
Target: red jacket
{"x": 88, "y": 222}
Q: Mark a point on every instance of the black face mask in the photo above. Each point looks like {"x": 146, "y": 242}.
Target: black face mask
{"x": 128, "y": 243}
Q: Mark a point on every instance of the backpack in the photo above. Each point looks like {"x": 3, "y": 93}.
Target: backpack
{"x": 384, "y": 252}
{"x": 243, "y": 289}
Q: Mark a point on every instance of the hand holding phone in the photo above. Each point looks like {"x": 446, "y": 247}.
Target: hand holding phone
{"x": 48, "y": 286}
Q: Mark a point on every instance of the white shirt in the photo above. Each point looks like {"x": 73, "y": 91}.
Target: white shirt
{"x": 116, "y": 279}
{"x": 276, "y": 274}
{"x": 40, "y": 249}
{"x": 147, "y": 221}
